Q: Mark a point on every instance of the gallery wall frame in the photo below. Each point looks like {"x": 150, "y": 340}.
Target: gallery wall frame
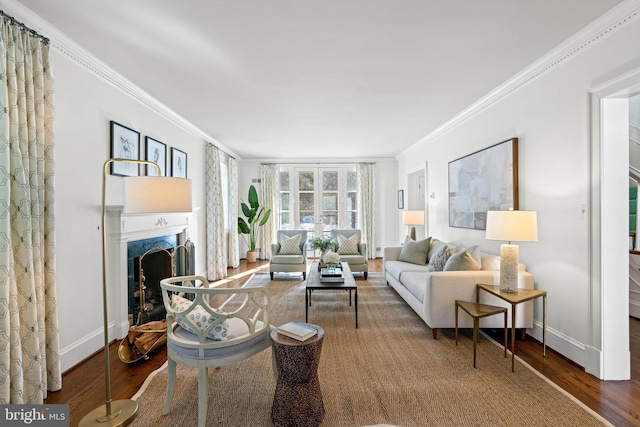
{"x": 483, "y": 181}
{"x": 125, "y": 144}
{"x": 156, "y": 152}
{"x": 178, "y": 163}
{"x": 400, "y": 199}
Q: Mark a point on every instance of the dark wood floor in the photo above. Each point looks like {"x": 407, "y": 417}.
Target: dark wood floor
{"x": 617, "y": 401}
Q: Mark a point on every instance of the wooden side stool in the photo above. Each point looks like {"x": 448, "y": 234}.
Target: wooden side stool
{"x": 478, "y": 311}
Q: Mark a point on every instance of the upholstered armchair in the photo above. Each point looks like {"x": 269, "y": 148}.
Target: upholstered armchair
{"x": 351, "y": 249}
{"x": 289, "y": 254}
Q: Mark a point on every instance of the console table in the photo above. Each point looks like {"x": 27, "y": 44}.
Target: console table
{"x": 515, "y": 298}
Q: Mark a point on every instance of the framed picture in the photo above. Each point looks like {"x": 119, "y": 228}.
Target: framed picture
{"x": 156, "y": 153}
{"x": 125, "y": 144}
{"x": 483, "y": 181}
{"x": 400, "y": 199}
{"x": 178, "y": 163}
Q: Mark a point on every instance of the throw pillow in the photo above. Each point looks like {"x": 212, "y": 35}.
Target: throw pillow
{"x": 290, "y": 245}
{"x": 439, "y": 259}
{"x": 201, "y": 318}
{"x": 436, "y": 245}
{"x": 415, "y": 252}
{"x": 462, "y": 261}
{"x": 348, "y": 246}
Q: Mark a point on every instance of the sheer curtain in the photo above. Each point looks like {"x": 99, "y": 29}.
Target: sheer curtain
{"x": 29, "y": 353}
{"x": 216, "y": 239}
{"x": 270, "y": 190}
{"x": 367, "y": 206}
{"x": 233, "y": 255}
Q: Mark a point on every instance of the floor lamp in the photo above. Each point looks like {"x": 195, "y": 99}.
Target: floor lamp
{"x": 143, "y": 194}
{"x": 512, "y": 226}
{"x": 413, "y": 218}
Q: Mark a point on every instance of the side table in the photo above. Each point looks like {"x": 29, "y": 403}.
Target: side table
{"x": 515, "y": 298}
{"x": 478, "y": 311}
{"x": 298, "y": 399}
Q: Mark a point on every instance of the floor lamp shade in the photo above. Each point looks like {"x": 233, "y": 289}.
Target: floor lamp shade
{"x": 512, "y": 226}
{"x": 153, "y": 194}
{"x": 413, "y": 218}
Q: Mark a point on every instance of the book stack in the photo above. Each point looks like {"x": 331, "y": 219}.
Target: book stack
{"x": 331, "y": 276}
{"x": 296, "y": 330}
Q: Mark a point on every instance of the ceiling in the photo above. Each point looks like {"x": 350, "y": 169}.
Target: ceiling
{"x": 287, "y": 79}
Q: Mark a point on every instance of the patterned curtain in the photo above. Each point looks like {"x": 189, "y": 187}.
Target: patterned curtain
{"x": 233, "y": 256}
{"x": 270, "y": 193}
{"x": 216, "y": 241}
{"x": 29, "y": 353}
{"x": 366, "y": 206}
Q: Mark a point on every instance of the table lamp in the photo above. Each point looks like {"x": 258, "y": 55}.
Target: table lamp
{"x": 512, "y": 226}
{"x": 144, "y": 194}
{"x": 413, "y": 218}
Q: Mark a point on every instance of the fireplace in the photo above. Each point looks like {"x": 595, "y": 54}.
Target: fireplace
{"x": 129, "y": 236}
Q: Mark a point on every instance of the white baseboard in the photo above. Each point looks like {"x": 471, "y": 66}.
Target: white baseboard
{"x": 563, "y": 344}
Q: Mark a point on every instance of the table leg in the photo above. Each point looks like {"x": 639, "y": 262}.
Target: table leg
{"x": 456, "y": 323}
{"x": 476, "y": 325}
{"x": 356, "y": 308}
{"x": 544, "y": 326}
{"x": 513, "y": 336}
{"x": 306, "y": 306}
{"x": 505, "y": 333}
{"x": 349, "y": 297}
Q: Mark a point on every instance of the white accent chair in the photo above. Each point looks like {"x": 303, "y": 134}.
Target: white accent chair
{"x": 357, "y": 262}
{"x": 289, "y": 263}
{"x": 245, "y": 313}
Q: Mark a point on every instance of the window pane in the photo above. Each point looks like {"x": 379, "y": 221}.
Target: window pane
{"x": 284, "y": 201}
{"x": 305, "y": 181}
{"x": 352, "y": 220}
{"x": 330, "y": 220}
{"x": 351, "y": 181}
{"x": 330, "y": 181}
{"x": 330, "y": 202}
{"x": 284, "y": 181}
{"x": 307, "y": 220}
{"x": 307, "y": 202}
{"x": 351, "y": 201}
{"x": 285, "y": 221}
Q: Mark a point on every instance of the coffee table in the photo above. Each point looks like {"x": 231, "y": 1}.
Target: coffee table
{"x": 314, "y": 284}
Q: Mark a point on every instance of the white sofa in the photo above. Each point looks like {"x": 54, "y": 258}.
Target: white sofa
{"x": 432, "y": 295}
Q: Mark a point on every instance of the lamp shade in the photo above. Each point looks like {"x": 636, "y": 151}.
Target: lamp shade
{"x": 156, "y": 194}
{"x": 512, "y": 226}
{"x": 413, "y": 217}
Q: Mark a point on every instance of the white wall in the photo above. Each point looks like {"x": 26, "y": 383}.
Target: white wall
{"x": 84, "y": 106}
{"x": 550, "y": 116}
{"x": 387, "y": 214}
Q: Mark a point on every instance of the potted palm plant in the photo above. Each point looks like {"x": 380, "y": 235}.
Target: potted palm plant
{"x": 256, "y": 217}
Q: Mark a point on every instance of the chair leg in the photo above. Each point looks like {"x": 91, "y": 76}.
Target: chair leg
{"x": 304, "y": 275}
{"x": 202, "y": 395}
{"x": 271, "y": 275}
{"x": 171, "y": 385}
{"x": 366, "y": 274}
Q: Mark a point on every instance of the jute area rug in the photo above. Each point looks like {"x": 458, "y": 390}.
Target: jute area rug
{"x": 388, "y": 371}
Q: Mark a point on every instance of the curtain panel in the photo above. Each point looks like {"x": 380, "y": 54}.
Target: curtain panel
{"x": 366, "y": 206}
{"x": 233, "y": 244}
{"x": 216, "y": 239}
{"x": 270, "y": 190}
{"x": 29, "y": 354}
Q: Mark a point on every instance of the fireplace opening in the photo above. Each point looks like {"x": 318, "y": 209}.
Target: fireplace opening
{"x": 150, "y": 261}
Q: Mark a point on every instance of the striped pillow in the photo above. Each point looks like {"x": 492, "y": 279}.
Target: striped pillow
{"x": 290, "y": 245}
{"x": 348, "y": 246}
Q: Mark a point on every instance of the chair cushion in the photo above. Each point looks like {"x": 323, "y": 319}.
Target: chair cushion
{"x": 287, "y": 259}
{"x": 290, "y": 245}
{"x": 348, "y": 245}
{"x": 201, "y": 318}
{"x": 415, "y": 252}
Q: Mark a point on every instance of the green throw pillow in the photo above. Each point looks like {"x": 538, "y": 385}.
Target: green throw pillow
{"x": 415, "y": 252}
{"x": 462, "y": 261}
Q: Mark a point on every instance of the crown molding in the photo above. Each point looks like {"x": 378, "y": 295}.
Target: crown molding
{"x": 73, "y": 51}
{"x": 609, "y": 23}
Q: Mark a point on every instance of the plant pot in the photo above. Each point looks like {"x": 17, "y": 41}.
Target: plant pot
{"x": 252, "y": 256}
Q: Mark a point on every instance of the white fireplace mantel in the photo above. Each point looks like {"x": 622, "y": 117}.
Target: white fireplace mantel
{"x": 123, "y": 228}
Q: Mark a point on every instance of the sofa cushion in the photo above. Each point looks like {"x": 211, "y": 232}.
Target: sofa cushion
{"x": 439, "y": 259}
{"x": 399, "y": 268}
{"x": 287, "y": 259}
{"x": 463, "y": 261}
{"x": 290, "y": 245}
{"x": 415, "y": 282}
{"x": 415, "y": 252}
{"x": 353, "y": 259}
{"x": 348, "y": 245}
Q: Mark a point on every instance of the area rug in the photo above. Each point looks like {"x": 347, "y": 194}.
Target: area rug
{"x": 388, "y": 371}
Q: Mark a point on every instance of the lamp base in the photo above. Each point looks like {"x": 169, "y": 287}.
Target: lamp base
{"x": 413, "y": 232}
{"x": 509, "y": 268}
{"x": 122, "y": 413}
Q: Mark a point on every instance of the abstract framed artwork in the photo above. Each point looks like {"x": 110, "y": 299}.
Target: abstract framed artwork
{"x": 156, "y": 153}
{"x": 125, "y": 144}
{"x": 400, "y": 199}
{"x": 178, "y": 163}
{"x": 483, "y": 181}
